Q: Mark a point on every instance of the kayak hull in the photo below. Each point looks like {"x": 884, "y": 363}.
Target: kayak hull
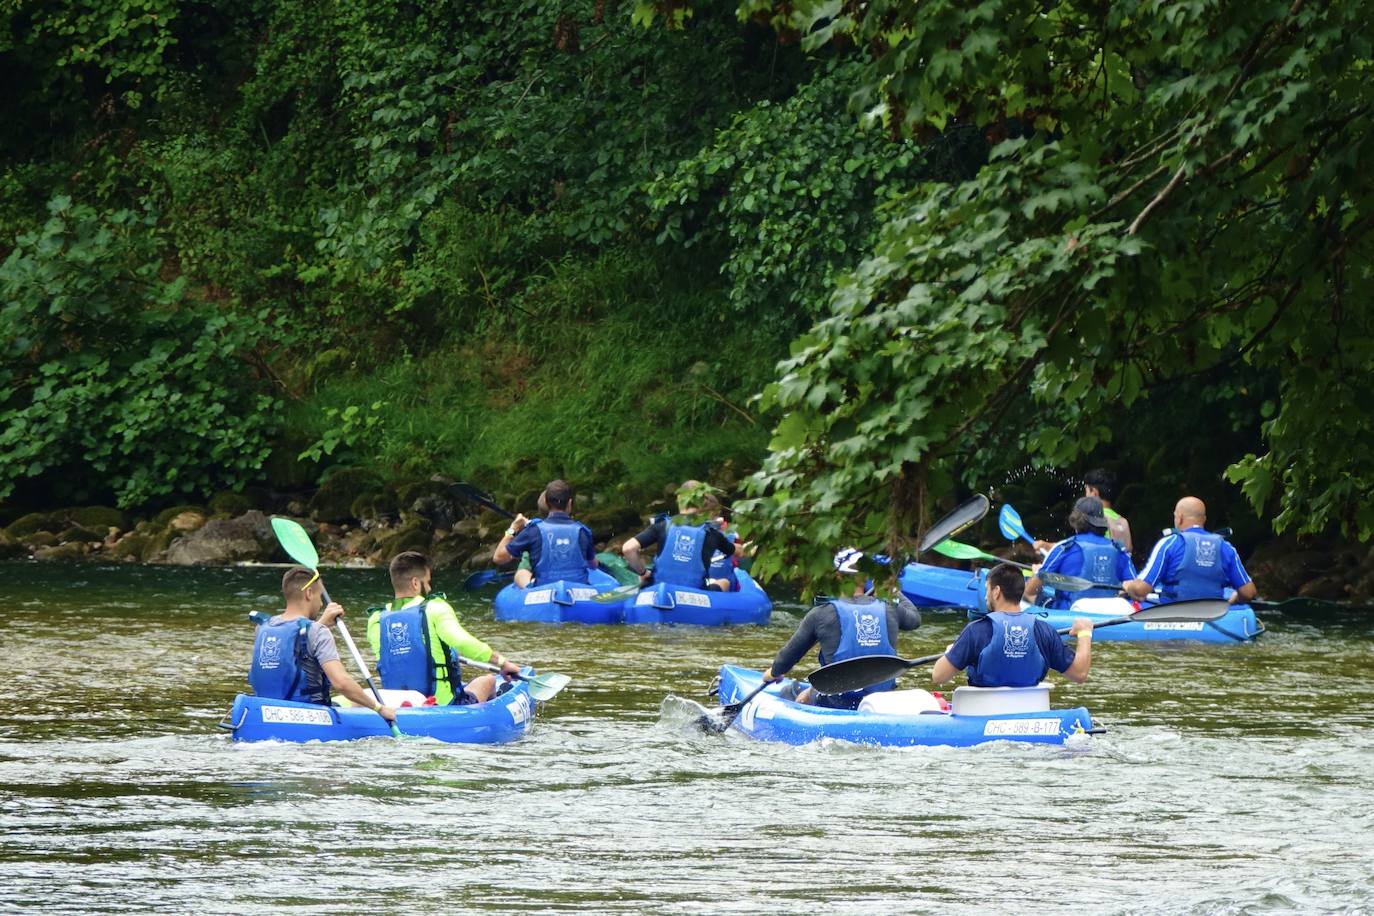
{"x": 559, "y": 602}
{"x": 500, "y": 720}
{"x": 769, "y": 717}
{"x": 669, "y": 604}
{"x": 938, "y": 586}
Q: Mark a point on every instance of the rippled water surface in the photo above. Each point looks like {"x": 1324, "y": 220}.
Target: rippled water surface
{"x": 1232, "y": 779}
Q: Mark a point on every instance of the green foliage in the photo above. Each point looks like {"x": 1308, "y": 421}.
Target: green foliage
{"x": 113, "y": 379}
{"x": 1174, "y": 197}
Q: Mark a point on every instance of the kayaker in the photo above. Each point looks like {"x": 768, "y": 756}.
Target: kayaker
{"x": 1087, "y": 554}
{"x": 418, "y": 619}
{"x": 294, "y": 655}
{"x": 684, "y": 549}
{"x": 559, "y": 546}
{"x": 1011, "y": 648}
{"x": 1191, "y": 562}
{"x": 1101, "y": 483}
{"x": 846, "y": 628}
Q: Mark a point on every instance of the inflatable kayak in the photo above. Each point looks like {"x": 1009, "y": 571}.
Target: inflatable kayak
{"x": 904, "y": 718}
{"x": 560, "y": 602}
{"x": 663, "y": 603}
{"x": 1238, "y": 625}
{"x": 939, "y": 586}
{"x": 501, "y": 719}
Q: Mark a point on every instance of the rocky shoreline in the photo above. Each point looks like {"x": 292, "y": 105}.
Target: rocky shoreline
{"x": 355, "y": 520}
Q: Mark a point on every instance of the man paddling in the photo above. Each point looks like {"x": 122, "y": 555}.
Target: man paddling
{"x": 685, "y": 550}
{"x": 846, "y": 628}
{"x": 294, "y": 656}
{"x": 417, "y": 640}
{"x": 1011, "y": 648}
{"x": 1101, "y": 484}
{"x": 1088, "y": 554}
{"x": 559, "y": 547}
{"x": 1191, "y": 562}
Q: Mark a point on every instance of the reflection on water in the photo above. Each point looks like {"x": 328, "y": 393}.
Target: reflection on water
{"x": 1232, "y": 779}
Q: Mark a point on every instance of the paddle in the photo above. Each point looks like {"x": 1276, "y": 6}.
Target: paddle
{"x": 472, "y": 494}
{"x": 1062, "y": 583}
{"x": 485, "y": 577}
{"x": 542, "y": 686}
{"x": 1009, "y": 522}
{"x": 298, "y": 547}
{"x": 971, "y": 510}
{"x": 857, "y": 673}
{"x": 717, "y": 721}
{"x": 957, "y": 551}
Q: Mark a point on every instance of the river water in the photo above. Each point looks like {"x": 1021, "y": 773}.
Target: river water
{"x": 1232, "y": 779}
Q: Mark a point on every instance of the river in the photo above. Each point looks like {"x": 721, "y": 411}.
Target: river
{"x": 1232, "y": 779}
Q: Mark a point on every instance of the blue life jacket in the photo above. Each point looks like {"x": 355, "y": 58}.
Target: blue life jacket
{"x": 1099, "y": 565}
{"x": 277, "y": 673}
{"x": 679, "y": 556}
{"x": 560, "y": 556}
{"x": 1012, "y": 657}
{"x": 863, "y": 631}
{"x": 1201, "y": 573}
{"x": 723, "y": 567}
{"x": 405, "y": 660}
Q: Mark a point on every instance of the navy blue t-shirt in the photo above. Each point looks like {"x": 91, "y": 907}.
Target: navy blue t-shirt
{"x": 976, "y": 636}
{"x": 528, "y": 539}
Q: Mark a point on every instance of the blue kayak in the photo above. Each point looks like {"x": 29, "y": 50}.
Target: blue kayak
{"x": 769, "y": 717}
{"x": 939, "y": 586}
{"x": 561, "y": 601}
{"x": 663, "y": 603}
{"x": 1238, "y": 625}
{"x": 499, "y": 720}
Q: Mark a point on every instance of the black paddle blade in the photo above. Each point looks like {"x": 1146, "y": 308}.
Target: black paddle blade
{"x": 1182, "y": 611}
{"x": 1062, "y": 583}
{"x": 857, "y": 673}
{"x": 968, "y": 512}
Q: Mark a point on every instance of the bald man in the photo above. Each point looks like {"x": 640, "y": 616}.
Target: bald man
{"x": 1190, "y": 562}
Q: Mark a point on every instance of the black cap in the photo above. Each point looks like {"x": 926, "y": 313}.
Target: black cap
{"x": 1090, "y": 507}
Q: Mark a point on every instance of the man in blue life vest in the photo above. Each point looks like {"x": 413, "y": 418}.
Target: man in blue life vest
{"x": 417, "y": 640}
{"x": 1011, "y": 648}
{"x": 1191, "y": 562}
{"x": 685, "y": 550}
{"x": 846, "y": 628}
{"x": 1088, "y": 554}
{"x": 558, "y": 546}
{"x": 294, "y": 656}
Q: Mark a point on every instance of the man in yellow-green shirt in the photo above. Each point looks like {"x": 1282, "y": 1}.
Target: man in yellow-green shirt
{"x": 417, "y": 640}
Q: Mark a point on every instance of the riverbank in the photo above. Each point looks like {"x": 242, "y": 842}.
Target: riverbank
{"x": 357, "y": 520}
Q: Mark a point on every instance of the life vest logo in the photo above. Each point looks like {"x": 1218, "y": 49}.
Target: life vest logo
{"x": 1102, "y": 569}
{"x": 682, "y": 548}
{"x": 867, "y": 629}
{"x": 1206, "y": 553}
{"x": 270, "y": 655}
{"x": 1017, "y": 641}
{"x": 562, "y": 546}
{"x": 398, "y": 638}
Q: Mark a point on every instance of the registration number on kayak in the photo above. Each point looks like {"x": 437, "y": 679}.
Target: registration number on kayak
{"x": 1009, "y": 727}
{"x": 540, "y": 597}
{"x": 692, "y": 599}
{"x": 292, "y": 715}
{"x": 1174, "y": 625}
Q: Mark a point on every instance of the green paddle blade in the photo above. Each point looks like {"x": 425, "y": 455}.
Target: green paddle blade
{"x": 295, "y": 542}
{"x": 959, "y": 551}
{"x": 547, "y": 686}
{"x": 615, "y": 595}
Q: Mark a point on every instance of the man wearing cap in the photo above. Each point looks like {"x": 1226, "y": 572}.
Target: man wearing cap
{"x": 1088, "y": 554}
{"x": 1191, "y": 562}
{"x": 846, "y": 628}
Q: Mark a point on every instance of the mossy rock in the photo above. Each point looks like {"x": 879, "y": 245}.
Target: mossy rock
{"x": 155, "y": 550}
{"x": 129, "y": 548}
{"x": 39, "y": 539}
{"x": 164, "y": 518}
{"x": 609, "y": 522}
{"x": 61, "y": 552}
{"x": 378, "y": 506}
{"x": 416, "y": 535}
{"x": 79, "y": 535}
{"x": 333, "y": 502}
{"x": 35, "y": 522}
{"x": 230, "y": 504}
{"x": 11, "y": 514}
{"x": 10, "y": 548}
{"x": 527, "y": 503}
{"x": 99, "y": 518}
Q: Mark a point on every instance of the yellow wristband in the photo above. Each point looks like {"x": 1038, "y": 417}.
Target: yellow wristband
{"x": 1086, "y": 634}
